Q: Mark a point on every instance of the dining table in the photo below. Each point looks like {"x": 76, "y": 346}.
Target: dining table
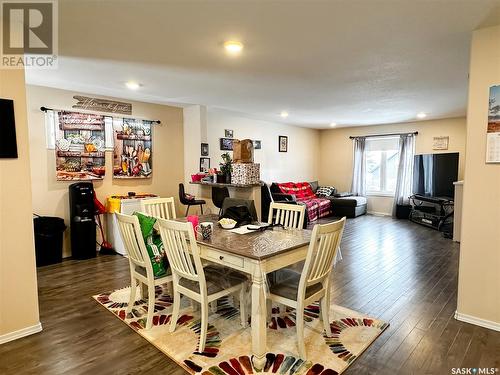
{"x": 256, "y": 253}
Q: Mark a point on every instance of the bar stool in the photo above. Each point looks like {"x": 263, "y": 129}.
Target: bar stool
{"x": 218, "y": 196}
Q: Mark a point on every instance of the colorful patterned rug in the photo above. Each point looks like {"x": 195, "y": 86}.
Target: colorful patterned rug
{"x": 228, "y": 347}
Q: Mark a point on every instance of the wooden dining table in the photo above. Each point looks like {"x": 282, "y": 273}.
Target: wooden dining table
{"x": 256, "y": 254}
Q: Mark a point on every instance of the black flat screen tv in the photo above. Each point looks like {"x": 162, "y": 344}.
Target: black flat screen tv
{"x": 8, "y": 144}
{"x": 434, "y": 174}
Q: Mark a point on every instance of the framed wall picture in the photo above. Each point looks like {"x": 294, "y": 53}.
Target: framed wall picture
{"x": 204, "y": 165}
{"x": 493, "y": 130}
{"x": 283, "y": 143}
{"x": 204, "y": 149}
{"x": 228, "y": 133}
{"x": 226, "y": 144}
{"x": 257, "y": 145}
{"x": 440, "y": 143}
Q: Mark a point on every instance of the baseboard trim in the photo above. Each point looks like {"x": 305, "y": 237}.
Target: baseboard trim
{"x": 20, "y": 333}
{"x": 378, "y": 213}
{"x": 477, "y": 321}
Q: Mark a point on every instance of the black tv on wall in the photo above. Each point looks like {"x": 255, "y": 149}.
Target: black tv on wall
{"x": 8, "y": 144}
{"x": 434, "y": 174}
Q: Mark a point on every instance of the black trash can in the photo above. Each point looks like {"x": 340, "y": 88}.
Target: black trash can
{"x": 48, "y": 239}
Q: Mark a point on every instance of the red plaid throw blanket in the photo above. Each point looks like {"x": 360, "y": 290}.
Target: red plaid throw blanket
{"x": 315, "y": 207}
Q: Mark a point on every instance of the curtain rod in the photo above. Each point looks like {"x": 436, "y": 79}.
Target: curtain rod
{"x": 45, "y": 109}
{"x": 381, "y": 135}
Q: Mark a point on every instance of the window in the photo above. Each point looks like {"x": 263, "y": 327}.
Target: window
{"x": 382, "y": 159}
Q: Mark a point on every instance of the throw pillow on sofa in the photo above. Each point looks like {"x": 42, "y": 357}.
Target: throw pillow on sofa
{"x": 325, "y": 191}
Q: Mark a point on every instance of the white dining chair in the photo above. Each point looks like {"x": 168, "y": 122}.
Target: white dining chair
{"x": 298, "y": 290}
{"x": 163, "y": 208}
{"x": 141, "y": 270}
{"x": 288, "y": 215}
{"x": 191, "y": 279}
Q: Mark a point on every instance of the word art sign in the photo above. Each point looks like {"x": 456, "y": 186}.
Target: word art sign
{"x": 102, "y": 105}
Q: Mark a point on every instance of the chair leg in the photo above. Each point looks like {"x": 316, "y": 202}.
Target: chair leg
{"x": 325, "y": 307}
{"x": 175, "y": 310}
{"x": 151, "y": 305}
{"x": 243, "y": 306}
{"x": 133, "y": 292}
{"x": 187, "y": 209}
{"x": 300, "y": 332}
{"x": 269, "y": 306}
{"x": 201, "y": 208}
{"x": 204, "y": 326}
{"x": 213, "y": 306}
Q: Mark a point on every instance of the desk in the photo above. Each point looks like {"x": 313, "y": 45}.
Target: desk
{"x": 255, "y": 254}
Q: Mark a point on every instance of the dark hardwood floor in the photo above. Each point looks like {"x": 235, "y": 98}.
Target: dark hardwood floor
{"x": 393, "y": 270}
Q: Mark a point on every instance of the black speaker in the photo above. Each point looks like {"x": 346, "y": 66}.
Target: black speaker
{"x": 82, "y": 222}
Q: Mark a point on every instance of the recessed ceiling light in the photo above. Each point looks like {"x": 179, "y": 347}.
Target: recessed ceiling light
{"x": 233, "y": 47}
{"x": 132, "y": 85}
{"x": 284, "y": 114}
{"x": 333, "y": 124}
{"x": 421, "y": 115}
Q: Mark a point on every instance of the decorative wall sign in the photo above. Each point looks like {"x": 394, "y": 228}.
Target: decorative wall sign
{"x": 440, "y": 143}
{"x": 283, "y": 143}
{"x": 228, "y": 133}
{"x": 132, "y": 156}
{"x": 204, "y": 165}
{"x": 8, "y": 142}
{"x": 204, "y": 149}
{"x": 226, "y": 144}
{"x": 493, "y": 132}
{"x": 257, "y": 145}
{"x": 80, "y": 144}
{"x": 102, "y": 105}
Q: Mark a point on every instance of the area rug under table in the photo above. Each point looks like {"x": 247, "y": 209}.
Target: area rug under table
{"x": 229, "y": 346}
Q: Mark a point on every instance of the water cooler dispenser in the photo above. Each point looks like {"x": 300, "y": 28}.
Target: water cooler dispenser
{"x": 82, "y": 222}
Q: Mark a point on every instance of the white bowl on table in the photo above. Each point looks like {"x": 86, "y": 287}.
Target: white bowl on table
{"x": 227, "y": 223}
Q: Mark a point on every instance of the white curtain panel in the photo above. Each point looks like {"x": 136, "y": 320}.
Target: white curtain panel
{"x": 405, "y": 171}
{"x": 358, "y": 186}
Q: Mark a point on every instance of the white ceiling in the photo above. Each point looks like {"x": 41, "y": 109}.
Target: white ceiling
{"x": 350, "y": 62}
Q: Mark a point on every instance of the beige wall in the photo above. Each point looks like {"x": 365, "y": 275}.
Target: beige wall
{"x": 18, "y": 284}
{"x": 300, "y": 163}
{"x": 479, "y": 273}
{"x": 336, "y": 151}
{"x": 50, "y": 197}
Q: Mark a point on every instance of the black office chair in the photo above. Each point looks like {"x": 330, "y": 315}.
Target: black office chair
{"x": 189, "y": 202}
{"x": 218, "y": 196}
{"x": 231, "y": 202}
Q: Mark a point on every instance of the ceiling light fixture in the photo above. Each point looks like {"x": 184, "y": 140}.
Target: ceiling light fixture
{"x": 421, "y": 115}
{"x": 233, "y": 47}
{"x": 284, "y": 114}
{"x": 333, "y": 124}
{"x": 132, "y": 85}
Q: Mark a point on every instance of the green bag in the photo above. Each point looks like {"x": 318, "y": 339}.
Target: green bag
{"x": 154, "y": 245}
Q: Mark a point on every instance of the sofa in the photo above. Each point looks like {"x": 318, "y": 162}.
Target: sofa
{"x": 336, "y": 204}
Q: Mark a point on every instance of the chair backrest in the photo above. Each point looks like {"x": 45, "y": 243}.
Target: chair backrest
{"x": 182, "y": 251}
{"x": 182, "y": 194}
{"x": 218, "y": 195}
{"x": 232, "y": 202}
{"x": 288, "y": 215}
{"x": 163, "y": 208}
{"x": 130, "y": 231}
{"x": 325, "y": 241}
